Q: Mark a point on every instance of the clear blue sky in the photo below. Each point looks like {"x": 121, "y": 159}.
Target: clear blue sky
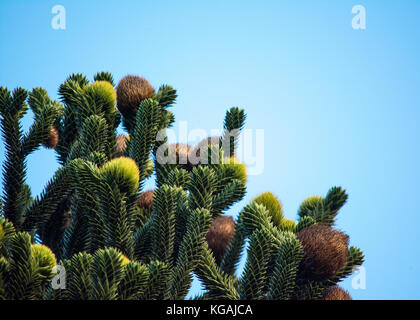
{"x": 338, "y": 106}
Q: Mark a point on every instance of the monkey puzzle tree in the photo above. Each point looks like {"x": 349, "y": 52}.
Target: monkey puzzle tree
{"x": 118, "y": 241}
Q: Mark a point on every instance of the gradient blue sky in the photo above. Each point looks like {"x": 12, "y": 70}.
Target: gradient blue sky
{"x": 338, "y": 106}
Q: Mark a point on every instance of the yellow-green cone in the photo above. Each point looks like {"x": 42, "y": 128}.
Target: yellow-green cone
{"x": 44, "y": 259}
{"x": 309, "y": 204}
{"x": 103, "y": 91}
{"x": 124, "y": 171}
{"x": 273, "y": 205}
{"x": 287, "y": 225}
{"x": 237, "y": 168}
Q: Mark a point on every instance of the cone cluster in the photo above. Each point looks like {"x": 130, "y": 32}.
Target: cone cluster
{"x": 132, "y": 90}
{"x": 336, "y": 293}
{"x": 145, "y": 201}
{"x": 325, "y": 251}
{"x": 52, "y": 140}
{"x": 220, "y": 235}
{"x": 120, "y": 145}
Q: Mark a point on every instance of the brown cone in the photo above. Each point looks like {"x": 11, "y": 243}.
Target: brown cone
{"x": 210, "y": 141}
{"x": 120, "y": 145}
{"x": 66, "y": 220}
{"x": 336, "y": 293}
{"x": 145, "y": 201}
{"x": 219, "y": 236}
{"x": 132, "y": 90}
{"x": 325, "y": 251}
{"x": 52, "y": 140}
{"x": 181, "y": 151}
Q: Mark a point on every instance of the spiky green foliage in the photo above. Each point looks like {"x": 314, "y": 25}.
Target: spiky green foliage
{"x": 283, "y": 280}
{"x": 304, "y": 223}
{"x": 105, "y": 275}
{"x": 218, "y": 284}
{"x": 7, "y": 230}
{"x": 19, "y": 145}
{"x": 189, "y": 252}
{"x": 163, "y": 224}
{"x": 134, "y": 283}
{"x": 255, "y": 273}
{"x": 233, "y": 124}
{"x": 116, "y": 219}
{"x": 234, "y": 251}
{"x": 144, "y": 135}
{"x": 45, "y": 211}
{"x": 324, "y": 210}
{"x": 165, "y": 96}
{"x": 25, "y": 268}
{"x": 115, "y": 241}
{"x": 355, "y": 258}
{"x": 104, "y": 76}
{"x": 178, "y": 178}
{"x": 201, "y": 187}
{"x": 67, "y": 126}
